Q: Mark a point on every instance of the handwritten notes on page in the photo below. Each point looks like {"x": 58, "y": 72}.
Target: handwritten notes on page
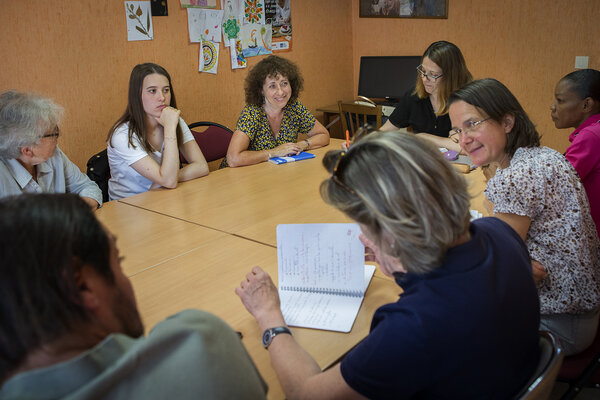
{"x": 322, "y": 276}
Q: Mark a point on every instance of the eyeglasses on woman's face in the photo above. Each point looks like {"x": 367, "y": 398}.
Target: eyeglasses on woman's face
{"x": 55, "y": 133}
{"x": 468, "y": 126}
{"x": 429, "y": 76}
{"x": 337, "y": 179}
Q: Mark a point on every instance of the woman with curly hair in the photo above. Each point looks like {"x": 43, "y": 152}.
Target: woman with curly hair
{"x": 273, "y": 117}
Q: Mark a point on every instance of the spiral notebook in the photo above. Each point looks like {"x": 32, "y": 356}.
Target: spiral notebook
{"x": 322, "y": 276}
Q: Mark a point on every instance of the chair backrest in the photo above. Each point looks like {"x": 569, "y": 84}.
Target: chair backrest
{"x": 356, "y": 115}
{"x": 98, "y": 170}
{"x": 213, "y": 141}
{"x": 540, "y": 385}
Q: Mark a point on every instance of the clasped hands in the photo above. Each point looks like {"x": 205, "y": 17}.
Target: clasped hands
{"x": 286, "y": 149}
{"x": 169, "y": 117}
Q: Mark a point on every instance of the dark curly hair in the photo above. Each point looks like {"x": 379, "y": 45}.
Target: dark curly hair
{"x": 271, "y": 67}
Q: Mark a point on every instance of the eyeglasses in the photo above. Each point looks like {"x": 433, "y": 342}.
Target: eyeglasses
{"x": 454, "y": 134}
{"x": 336, "y": 178}
{"x": 55, "y": 133}
{"x": 427, "y": 76}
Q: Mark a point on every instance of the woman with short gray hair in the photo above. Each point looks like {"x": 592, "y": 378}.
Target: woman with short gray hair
{"x": 469, "y": 297}
{"x": 30, "y": 160}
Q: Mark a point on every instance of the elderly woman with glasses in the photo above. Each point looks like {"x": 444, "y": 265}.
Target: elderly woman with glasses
{"x": 468, "y": 291}
{"x": 424, "y": 109}
{"x": 538, "y": 193}
{"x": 30, "y": 160}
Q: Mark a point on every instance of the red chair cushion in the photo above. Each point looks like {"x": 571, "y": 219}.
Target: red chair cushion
{"x": 213, "y": 142}
{"x": 573, "y": 366}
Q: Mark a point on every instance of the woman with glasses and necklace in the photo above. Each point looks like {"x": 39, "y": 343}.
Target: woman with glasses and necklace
{"x": 425, "y": 108}
{"x": 30, "y": 159}
{"x": 467, "y": 286}
{"x": 538, "y": 193}
{"x": 577, "y": 105}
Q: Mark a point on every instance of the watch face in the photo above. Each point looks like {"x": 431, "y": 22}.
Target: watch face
{"x": 266, "y": 338}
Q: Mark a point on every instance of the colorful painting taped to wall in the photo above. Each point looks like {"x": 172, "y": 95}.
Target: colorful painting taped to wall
{"x": 256, "y": 39}
{"x": 209, "y": 57}
{"x": 233, "y": 15}
{"x": 198, "y": 3}
{"x": 254, "y": 12}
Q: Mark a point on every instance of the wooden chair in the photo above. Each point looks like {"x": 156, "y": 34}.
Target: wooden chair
{"x": 213, "y": 141}
{"x": 541, "y": 383}
{"x": 356, "y": 115}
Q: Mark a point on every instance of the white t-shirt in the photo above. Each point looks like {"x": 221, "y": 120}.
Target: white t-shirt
{"x": 124, "y": 180}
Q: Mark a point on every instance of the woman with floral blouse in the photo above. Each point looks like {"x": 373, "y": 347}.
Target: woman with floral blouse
{"x": 539, "y": 194}
{"x": 273, "y": 117}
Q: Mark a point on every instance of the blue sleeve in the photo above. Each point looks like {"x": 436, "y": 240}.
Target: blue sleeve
{"x": 77, "y": 182}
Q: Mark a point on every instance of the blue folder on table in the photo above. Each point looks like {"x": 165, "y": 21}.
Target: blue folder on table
{"x": 295, "y": 157}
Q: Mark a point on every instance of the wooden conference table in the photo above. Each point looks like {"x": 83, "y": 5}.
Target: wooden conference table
{"x": 191, "y": 246}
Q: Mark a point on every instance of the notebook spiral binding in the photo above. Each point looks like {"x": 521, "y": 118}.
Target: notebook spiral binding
{"x": 336, "y": 292}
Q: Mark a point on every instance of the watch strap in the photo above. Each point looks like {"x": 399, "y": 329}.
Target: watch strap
{"x": 270, "y": 333}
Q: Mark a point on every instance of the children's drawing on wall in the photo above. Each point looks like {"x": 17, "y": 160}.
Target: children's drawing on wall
{"x": 198, "y": 3}
{"x": 204, "y": 24}
{"x": 279, "y": 14}
{"x": 209, "y": 57}
{"x": 254, "y": 12}
{"x": 256, "y": 39}
{"x": 237, "y": 55}
{"x": 139, "y": 20}
{"x": 233, "y": 15}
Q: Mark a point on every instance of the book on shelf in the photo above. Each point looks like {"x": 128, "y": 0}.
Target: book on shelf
{"x": 294, "y": 157}
{"x": 322, "y": 275}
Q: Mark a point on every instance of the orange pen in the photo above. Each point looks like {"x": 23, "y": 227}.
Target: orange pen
{"x": 347, "y": 139}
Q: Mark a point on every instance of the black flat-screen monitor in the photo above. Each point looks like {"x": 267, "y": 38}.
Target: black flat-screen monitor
{"x": 387, "y": 77}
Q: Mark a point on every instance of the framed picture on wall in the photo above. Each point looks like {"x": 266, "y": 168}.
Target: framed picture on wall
{"x": 403, "y": 8}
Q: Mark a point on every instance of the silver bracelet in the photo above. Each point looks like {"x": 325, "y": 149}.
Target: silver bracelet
{"x": 307, "y": 144}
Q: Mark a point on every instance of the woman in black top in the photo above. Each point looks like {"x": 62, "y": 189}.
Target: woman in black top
{"x": 425, "y": 108}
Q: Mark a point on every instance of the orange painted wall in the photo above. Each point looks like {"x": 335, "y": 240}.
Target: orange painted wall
{"x": 77, "y": 53}
{"x": 526, "y": 44}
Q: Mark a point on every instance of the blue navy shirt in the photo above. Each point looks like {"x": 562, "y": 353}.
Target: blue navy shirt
{"x": 468, "y": 329}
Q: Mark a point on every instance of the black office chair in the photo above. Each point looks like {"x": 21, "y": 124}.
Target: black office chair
{"x": 99, "y": 171}
{"x": 540, "y": 385}
{"x": 213, "y": 141}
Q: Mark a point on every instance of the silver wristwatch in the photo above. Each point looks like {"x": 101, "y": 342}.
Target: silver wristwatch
{"x": 269, "y": 334}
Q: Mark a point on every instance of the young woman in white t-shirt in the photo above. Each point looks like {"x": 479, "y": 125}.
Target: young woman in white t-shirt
{"x": 144, "y": 144}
